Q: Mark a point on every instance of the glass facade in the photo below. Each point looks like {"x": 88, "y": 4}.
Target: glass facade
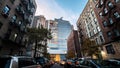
{"x": 58, "y": 44}
{"x": 64, "y": 29}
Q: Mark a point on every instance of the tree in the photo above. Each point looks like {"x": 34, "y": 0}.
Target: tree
{"x": 70, "y": 54}
{"x": 89, "y": 48}
{"x": 37, "y": 35}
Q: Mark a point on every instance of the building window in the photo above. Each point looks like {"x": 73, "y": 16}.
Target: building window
{"x": 94, "y": 1}
{"x": 101, "y": 2}
{"x": 117, "y": 15}
{"x": 6, "y": 10}
{"x": 105, "y": 10}
{"x": 117, "y": 33}
{"x": 15, "y": 36}
{"x": 104, "y": 23}
{"x": 101, "y": 14}
{"x": 98, "y": 28}
{"x": 110, "y": 21}
{"x": 95, "y": 20}
{"x": 95, "y": 31}
{"x": 92, "y": 12}
{"x": 19, "y": 22}
{"x": 117, "y": 1}
{"x": 13, "y": 19}
{"x": 110, "y": 4}
{"x": 101, "y": 39}
{"x": 110, "y": 49}
{"x": 1, "y": 25}
{"x": 109, "y": 34}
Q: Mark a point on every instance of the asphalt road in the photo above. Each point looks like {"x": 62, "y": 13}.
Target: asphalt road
{"x": 57, "y": 66}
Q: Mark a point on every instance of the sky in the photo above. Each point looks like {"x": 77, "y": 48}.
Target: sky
{"x": 68, "y": 9}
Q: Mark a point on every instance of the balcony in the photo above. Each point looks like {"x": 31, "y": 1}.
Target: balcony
{"x": 27, "y": 19}
{"x": 20, "y": 10}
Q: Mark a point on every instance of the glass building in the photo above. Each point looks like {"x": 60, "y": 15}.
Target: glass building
{"x": 60, "y": 30}
{"x": 64, "y": 29}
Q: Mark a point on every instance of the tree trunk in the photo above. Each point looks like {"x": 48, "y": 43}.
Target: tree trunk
{"x": 35, "y": 49}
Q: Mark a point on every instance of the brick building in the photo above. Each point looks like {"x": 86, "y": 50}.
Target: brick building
{"x": 73, "y": 43}
{"x": 15, "y": 17}
{"x": 88, "y": 26}
{"x": 106, "y": 14}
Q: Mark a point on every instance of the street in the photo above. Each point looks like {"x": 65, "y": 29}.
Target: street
{"x": 57, "y": 66}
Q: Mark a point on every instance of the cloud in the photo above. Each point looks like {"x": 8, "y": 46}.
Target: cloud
{"x": 50, "y": 9}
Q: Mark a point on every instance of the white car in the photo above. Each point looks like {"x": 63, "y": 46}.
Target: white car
{"x": 17, "y": 62}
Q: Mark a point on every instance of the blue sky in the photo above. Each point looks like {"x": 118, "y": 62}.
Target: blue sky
{"x": 68, "y": 9}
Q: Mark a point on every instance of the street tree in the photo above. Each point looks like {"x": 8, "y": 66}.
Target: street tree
{"x": 37, "y": 35}
{"x": 90, "y": 48}
{"x": 70, "y": 54}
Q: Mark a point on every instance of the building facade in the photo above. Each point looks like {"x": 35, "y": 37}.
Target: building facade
{"x": 15, "y": 17}
{"x": 88, "y": 26}
{"x": 64, "y": 29}
{"x": 53, "y": 43}
{"x": 39, "y": 21}
{"x": 100, "y": 19}
{"x": 60, "y": 30}
{"x": 108, "y": 15}
{"x": 73, "y": 44}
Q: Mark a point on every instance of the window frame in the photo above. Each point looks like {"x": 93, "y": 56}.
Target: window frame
{"x": 110, "y": 4}
{"x": 116, "y": 14}
{"x": 111, "y": 21}
{"x": 14, "y": 18}
{"x": 6, "y": 9}
{"x": 105, "y": 10}
{"x": 105, "y": 23}
{"x": 117, "y": 1}
{"x": 110, "y": 49}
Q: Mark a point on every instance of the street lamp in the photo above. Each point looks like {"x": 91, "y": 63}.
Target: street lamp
{"x": 65, "y": 53}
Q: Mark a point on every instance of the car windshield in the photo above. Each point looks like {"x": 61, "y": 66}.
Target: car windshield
{"x": 4, "y": 62}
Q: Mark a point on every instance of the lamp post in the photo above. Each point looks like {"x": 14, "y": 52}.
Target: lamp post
{"x": 65, "y": 54}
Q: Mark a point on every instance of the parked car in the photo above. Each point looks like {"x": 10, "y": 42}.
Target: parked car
{"x": 87, "y": 63}
{"x": 16, "y": 62}
{"x": 90, "y": 63}
{"x": 41, "y": 60}
{"x": 115, "y": 61}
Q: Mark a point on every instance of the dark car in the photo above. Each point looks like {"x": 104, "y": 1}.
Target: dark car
{"x": 95, "y": 63}
{"x": 16, "y": 61}
{"x": 41, "y": 60}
